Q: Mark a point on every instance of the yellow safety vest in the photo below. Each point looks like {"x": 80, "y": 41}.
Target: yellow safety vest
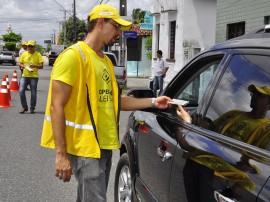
{"x": 81, "y": 133}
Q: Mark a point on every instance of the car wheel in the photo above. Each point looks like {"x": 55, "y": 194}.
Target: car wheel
{"x": 123, "y": 181}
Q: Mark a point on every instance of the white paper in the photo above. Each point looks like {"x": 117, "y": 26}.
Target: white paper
{"x": 29, "y": 69}
{"x": 177, "y": 102}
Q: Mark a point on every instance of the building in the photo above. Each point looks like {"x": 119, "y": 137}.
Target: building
{"x": 242, "y": 17}
{"x": 138, "y": 64}
{"x": 181, "y": 29}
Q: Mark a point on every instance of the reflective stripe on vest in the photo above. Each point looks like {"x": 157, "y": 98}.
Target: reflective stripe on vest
{"x": 74, "y": 125}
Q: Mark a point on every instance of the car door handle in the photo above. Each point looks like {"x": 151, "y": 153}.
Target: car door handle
{"x": 165, "y": 155}
{"x": 221, "y": 198}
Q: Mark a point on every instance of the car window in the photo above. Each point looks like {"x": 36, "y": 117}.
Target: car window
{"x": 7, "y": 53}
{"x": 197, "y": 86}
{"x": 240, "y": 106}
{"x": 112, "y": 58}
{"x": 195, "y": 80}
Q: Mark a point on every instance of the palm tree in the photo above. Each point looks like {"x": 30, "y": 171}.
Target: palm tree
{"x": 138, "y": 15}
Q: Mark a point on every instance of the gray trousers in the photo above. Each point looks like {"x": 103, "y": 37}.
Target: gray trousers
{"x": 92, "y": 176}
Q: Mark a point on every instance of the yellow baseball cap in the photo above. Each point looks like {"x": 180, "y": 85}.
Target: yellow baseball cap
{"x": 264, "y": 90}
{"x": 107, "y": 11}
{"x": 24, "y": 43}
{"x": 31, "y": 43}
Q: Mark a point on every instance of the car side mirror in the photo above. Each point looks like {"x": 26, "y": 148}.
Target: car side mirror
{"x": 141, "y": 93}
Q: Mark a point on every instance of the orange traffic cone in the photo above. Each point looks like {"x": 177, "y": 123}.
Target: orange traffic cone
{"x": 6, "y": 77}
{"x": 4, "y": 99}
{"x": 14, "y": 87}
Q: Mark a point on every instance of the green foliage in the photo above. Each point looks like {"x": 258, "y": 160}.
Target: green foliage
{"x": 138, "y": 15}
{"x": 40, "y": 49}
{"x": 80, "y": 28}
{"x": 148, "y": 47}
{"x": 11, "y": 37}
{"x": 11, "y": 46}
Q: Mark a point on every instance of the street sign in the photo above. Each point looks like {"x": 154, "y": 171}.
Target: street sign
{"x": 148, "y": 22}
{"x": 130, "y": 34}
{"x": 48, "y": 41}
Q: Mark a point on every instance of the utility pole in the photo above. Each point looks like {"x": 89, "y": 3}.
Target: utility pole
{"x": 122, "y": 40}
{"x": 74, "y": 21}
{"x": 65, "y": 27}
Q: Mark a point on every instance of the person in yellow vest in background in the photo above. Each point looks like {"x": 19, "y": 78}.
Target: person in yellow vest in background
{"x": 22, "y": 50}
{"x": 30, "y": 62}
{"x": 82, "y": 113}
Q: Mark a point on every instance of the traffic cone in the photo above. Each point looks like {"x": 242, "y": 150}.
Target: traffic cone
{"x": 4, "y": 99}
{"x": 6, "y": 77}
{"x": 14, "y": 87}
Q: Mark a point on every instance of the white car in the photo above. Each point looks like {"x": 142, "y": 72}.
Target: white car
{"x": 7, "y": 57}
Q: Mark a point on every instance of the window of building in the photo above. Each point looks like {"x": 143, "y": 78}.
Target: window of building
{"x": 172, "y": 39}
{"x": 235, "y": 30}
{"x": 134, "y": 49}
{"x": 266, "y": 20}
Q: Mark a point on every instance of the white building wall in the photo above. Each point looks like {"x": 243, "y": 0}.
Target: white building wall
{"x": 195, "y": 29}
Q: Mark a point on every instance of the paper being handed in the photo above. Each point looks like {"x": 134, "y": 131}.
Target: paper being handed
{"x": 29, "y": 68}
{"x": 177, "y": 102}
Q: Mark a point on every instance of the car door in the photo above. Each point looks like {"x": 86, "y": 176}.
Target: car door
{"x": 220, "y": 166}
{"x": 155, "y": 150}
{"x": 159, "y": 131}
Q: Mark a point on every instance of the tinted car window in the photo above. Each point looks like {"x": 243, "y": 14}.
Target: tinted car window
{"x": 233, "y": 101}
{"x": 196, "y": 88}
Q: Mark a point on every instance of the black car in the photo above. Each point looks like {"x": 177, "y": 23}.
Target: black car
{"x": 163, "y": 158}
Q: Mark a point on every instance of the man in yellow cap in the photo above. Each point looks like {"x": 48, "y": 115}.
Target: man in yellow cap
{"x": 22, "y": 50}
{"x": 82, "y": 114}
{"x": 251, "y": 127}
{"x": 30, "y": 62}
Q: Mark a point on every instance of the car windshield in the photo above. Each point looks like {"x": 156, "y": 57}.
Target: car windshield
{"x": 7, "y": 53}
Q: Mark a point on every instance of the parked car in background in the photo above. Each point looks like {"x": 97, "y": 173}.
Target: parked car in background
{"x": 119, "y": 70}
{"x": 54, "y": 52}
{"x": 7, "y": 57}
{"x": 163, "y": 158}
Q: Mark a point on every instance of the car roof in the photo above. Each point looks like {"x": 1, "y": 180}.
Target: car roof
{"x": 243, "y": 43}
{"x": 258, "y": 38}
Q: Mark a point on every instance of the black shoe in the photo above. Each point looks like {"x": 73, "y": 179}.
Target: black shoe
{"x": 23, "y": 110}
{"x": 32, "y": 111}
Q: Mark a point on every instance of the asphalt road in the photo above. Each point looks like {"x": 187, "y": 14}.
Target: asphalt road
{"x": 26, "y": 169}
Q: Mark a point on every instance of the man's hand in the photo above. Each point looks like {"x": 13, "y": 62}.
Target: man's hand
{"x": 162, "y": 102}
{"x": 63, "y": 167}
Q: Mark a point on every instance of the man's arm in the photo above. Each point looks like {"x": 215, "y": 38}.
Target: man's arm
{"x": 129, "y": 103}
{"x": 60, "y": 95}
{"x": 39, "y": 66}
{"x": 165, "y": 68}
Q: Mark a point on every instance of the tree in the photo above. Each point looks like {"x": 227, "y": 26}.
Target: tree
{"x": 148, "y": 47}
{"x": 138, "y": 15}
{"x": 40, "y": 49}
{"x": 11, "y": 39}
{"x": 80, "y": 28}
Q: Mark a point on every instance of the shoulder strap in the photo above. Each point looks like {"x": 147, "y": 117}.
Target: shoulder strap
{"x": 83, "y": 58}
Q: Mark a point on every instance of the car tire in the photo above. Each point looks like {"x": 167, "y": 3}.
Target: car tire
{"x": 123, "y": 190}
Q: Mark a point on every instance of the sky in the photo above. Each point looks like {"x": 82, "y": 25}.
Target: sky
{"x": 39, "y": 19}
